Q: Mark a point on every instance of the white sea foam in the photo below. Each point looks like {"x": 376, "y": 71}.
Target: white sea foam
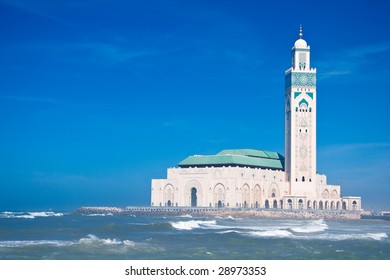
{"x": 229, "y": 231}
{"x": 186, "y": 216}
{"x": 270, "y": 233}
{"x": 27, "y": 243}
{"x": 228, "y": 218}
{"x": 339, "y": 237}
{"x": 28, "y": 215}
{"x": 99, "y": 215}
{"x": 46, "y": 214}
{"x": 92, "y": 239}
{"x": 313, "y": 226}
{"x": 129, "y": 243}
{"x": 192, "y": 224}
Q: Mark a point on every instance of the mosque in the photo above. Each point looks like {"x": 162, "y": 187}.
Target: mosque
{"x": 249, "y": 178}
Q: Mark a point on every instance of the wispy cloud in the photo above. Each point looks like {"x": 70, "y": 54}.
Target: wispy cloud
{"x": 98, "y": 53}
{"x": 350, "y": 61}
{"x": 352, "y": 147}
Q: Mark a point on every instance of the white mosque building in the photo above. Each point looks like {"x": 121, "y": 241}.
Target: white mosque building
{"x": 248, "y": 178}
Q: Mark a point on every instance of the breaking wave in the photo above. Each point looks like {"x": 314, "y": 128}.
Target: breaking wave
{"x": 314, "y": 226}
{"x": 270, "y": 233}
{"x": 28, "y": 215}
{"x": 192, "y": 224}
{"x": 28, "y": 243}
{"x": 185, "y": 216}
{"x": 89, "y": 240}
{"x": 98, "y": 215}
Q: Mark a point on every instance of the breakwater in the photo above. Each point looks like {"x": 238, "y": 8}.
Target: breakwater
{"x": 222, "y": 212}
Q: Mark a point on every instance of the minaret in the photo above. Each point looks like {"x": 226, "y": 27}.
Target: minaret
{"x": 300, "y": 122}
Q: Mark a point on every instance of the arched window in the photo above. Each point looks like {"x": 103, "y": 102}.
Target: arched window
{"x": 354, "y": 205}
{"x": 303, "y": 178}
{"x": 267, "y": 204}
{"x": 300, "y": 204}
{"x": 275, "y": 204}
{"x": 289, "y": 204}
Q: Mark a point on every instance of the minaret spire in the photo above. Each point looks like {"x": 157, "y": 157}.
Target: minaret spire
{"x": 300, "y": 31}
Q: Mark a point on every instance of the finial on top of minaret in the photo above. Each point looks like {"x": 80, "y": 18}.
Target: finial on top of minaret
{"x": 300, "y": 31}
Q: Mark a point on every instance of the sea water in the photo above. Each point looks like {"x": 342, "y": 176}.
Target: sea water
{"x": 56, "y": 235}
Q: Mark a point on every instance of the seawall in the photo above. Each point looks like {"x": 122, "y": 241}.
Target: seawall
{"x": 222, "y": 212}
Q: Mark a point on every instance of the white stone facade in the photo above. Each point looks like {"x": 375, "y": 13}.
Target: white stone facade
{"x": 242, "y": 187}
{"x": 298, "y": 186}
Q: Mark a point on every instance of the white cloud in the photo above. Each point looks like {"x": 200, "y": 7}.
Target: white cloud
{"x": 349, "y": 62}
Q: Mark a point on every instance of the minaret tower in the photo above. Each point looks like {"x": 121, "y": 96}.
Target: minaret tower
{"x": 300, "y": 122}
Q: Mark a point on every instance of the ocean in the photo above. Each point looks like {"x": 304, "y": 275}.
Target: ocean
{"x": 62, "y": 236}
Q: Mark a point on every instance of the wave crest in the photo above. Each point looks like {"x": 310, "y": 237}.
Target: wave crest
{"x": 313, "y": 226}
{"x": 192, "y": 224}
{"x": 28, "y": 215}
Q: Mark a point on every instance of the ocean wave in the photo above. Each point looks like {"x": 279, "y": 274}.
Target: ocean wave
{"x": 314, "y": 226}
{"x": 325, "y": 236}
{"x": 229, "y": 231}
{"x": 354, "y": 236}
{"x": 270, "y": 233}
{"x": 89, "y": 240}
{"x": 28, "y": 243}
{"x": 92, "y": 239}
{"x": 186, "y": 216}
{"x": 28, "y": 215}
{"x": 228, "y": 218}
{"x": 98, "y": 215}
{"x": 192, "y": 224}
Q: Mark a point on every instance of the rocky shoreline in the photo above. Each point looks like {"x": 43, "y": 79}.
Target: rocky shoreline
{"x": 225, "y": 212}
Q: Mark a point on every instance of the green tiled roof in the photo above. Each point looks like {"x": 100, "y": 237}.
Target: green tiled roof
{"x": 240, "y": 157}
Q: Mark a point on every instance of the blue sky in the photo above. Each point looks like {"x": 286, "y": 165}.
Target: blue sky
{"x": 99, "y": 97}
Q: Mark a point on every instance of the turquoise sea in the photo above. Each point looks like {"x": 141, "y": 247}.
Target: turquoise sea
{"x": 56, "y": 235}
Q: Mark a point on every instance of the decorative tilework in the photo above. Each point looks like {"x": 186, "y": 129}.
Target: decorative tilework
{"x": 303, "y": 79}
{"x": 310, "y": 94}
{"x": 296, "y": 94}
{"x": 304, "y": 101}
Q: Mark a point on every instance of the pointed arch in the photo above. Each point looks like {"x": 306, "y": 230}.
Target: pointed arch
{"x": 273, "y": 190}
{"x": 190, "y": 195}
{"x": 168, "y": 195}
{"x": 219, "y": 193}
{"x": 245, "y": 195}
{"x": 256, "y": 196}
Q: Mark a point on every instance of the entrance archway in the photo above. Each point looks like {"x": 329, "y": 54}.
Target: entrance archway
{"x": 267, "y": 204}
{"x": 169, "y": 204}
{"x": 219, "y": 204}
{"x": 193, "y": 197}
